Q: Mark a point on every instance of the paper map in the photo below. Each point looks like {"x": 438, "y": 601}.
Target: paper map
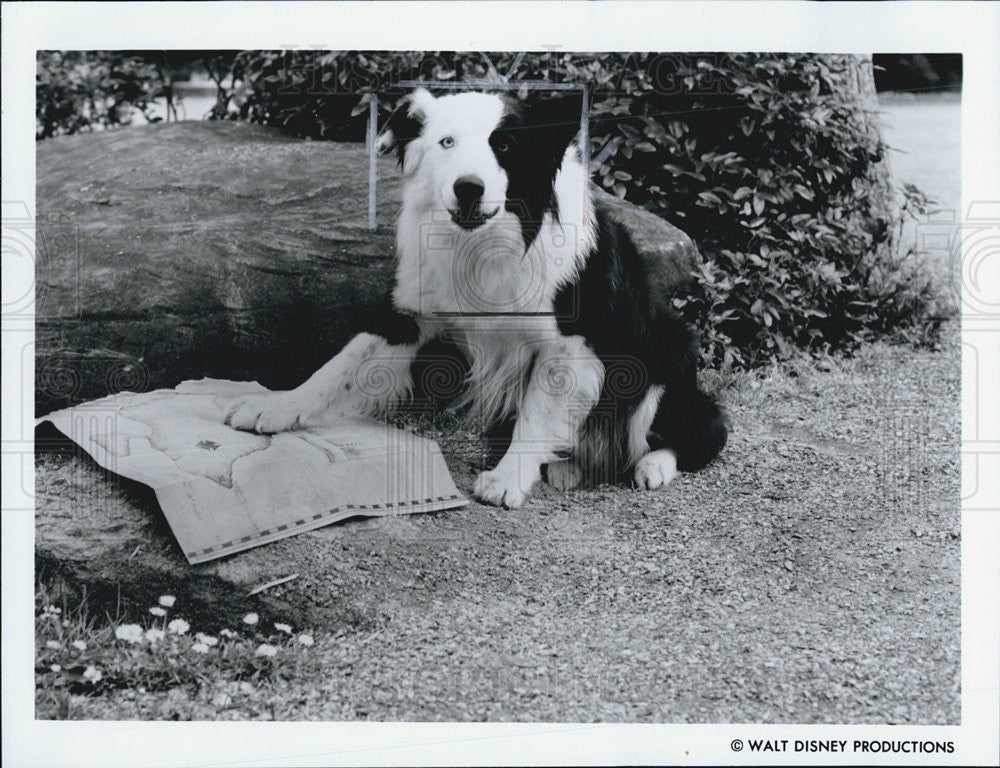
{"x": 223, "y": 490}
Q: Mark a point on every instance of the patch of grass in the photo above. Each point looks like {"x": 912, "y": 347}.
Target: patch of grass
{"x": 79, "y": 657}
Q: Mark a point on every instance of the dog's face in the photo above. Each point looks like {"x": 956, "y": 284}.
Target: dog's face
{"x": 476, "y": 154}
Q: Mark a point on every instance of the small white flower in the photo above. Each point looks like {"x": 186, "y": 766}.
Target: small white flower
{"x": 55, "y": 609}
{"x": 178, "y": 626}
{"x": 65, "y": 622}
{"x": 130, "y": 632}
{"x": 266, "y": 650}
{"x": 80, "y": 645}
{"x": 55, "y": 644}
{"x": 283, "y": 628}
{"x": 167, "y": 601}
{"x": 201, "y": 637}
{"x": 199, "y": 648}
{"x": 227, "y": 633}
{"x": 157, "y": 611}
{"x": 251, "y": 618}
{"x": 93, "y": 674}
{"x": 56, "y": 668}
{"x": 306, "y": 640}
{"x": 154, "y": 635}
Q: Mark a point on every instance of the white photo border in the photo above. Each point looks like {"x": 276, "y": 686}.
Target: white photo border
{"x": 966, "y": 27}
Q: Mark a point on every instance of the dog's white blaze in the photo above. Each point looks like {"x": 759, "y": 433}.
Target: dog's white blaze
{"x": 480, "y": 285}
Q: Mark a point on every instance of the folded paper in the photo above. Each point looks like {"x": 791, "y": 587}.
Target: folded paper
{"x": 223, "y": 490}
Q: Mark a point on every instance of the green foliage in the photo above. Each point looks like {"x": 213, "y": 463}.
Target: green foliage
{"x": 325, "y": 94}
{"x": 78, "y": 90}
{"x": 773, "y": 166}
{"x": 87, "y": 90}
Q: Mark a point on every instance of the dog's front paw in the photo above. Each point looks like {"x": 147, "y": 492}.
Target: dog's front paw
{"x": 655, "y": 469}
{"x": 267, "y": 414}
{"x": 500, "y": 488}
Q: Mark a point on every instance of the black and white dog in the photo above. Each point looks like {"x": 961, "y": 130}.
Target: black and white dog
{"x": 501, "y": 250}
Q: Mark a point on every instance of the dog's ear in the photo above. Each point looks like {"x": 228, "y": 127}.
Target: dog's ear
{"x": 554, "y": 122}
{"x": 404, "y": 125}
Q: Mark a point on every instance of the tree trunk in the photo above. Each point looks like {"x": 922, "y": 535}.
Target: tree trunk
{"x": 859, "y": 87}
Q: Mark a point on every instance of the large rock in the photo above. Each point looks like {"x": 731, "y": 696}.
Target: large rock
{"x": 221, "y": 249}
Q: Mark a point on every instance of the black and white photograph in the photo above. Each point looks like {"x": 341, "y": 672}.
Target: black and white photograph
{"x": 503, "y": 385}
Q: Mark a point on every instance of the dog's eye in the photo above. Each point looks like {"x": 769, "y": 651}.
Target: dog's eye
{"x": 501, "y": 145}
{"x": 447, "y": 142}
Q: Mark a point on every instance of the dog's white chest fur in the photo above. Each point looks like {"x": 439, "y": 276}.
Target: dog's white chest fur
{"x": 444, "y": 271}
{"x": 450, "y": 273}
{"x": 493, "y": 298}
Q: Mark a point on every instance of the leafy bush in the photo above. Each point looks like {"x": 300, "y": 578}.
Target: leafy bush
{"x": 325, "y": 94}
{"x": 773, "y": 165}
{"x": 86, "y": 90}
{"x": 78, "y": 90}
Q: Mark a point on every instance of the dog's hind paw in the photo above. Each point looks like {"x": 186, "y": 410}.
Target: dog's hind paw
{"x": 500, "y": 488}
{"x": 564, "y": 475}
{"x": 655, "y": 469}
{"x": 267, "y": 414}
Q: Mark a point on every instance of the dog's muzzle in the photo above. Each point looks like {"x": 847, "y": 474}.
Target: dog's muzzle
{"x": 471, "y": 221}
{"x": 469, "y": 194}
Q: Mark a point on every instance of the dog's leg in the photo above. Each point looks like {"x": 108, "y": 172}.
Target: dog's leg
{"x": 564, "y": 386}
{"x": 688, "y": 428}
{"x": 367, "y": 378}
{"x": 686, "y": 433}
{"x": 653, "y": 469}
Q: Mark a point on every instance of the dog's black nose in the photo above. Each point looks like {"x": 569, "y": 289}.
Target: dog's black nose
{"x": 469, "y": 190}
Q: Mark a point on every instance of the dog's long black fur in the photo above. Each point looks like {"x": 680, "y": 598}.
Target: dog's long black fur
{"x": 642, "y": 342}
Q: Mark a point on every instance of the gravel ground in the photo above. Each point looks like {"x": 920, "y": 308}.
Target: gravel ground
{"x": 810, "y": 575}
